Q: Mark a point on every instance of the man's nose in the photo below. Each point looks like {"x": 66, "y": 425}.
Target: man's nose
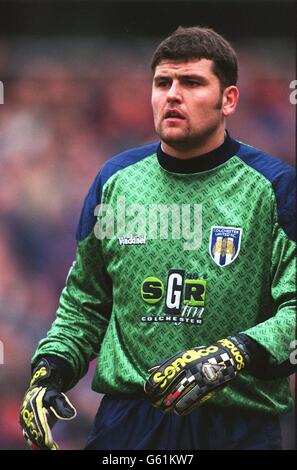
{"x": 174, "y": 92}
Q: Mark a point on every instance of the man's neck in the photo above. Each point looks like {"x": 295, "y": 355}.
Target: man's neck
{"x": 183, "y": 151}
{"x": 200, "y": 163}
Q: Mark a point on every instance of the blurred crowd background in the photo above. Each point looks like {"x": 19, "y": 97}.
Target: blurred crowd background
{"x": 69, "y": 105}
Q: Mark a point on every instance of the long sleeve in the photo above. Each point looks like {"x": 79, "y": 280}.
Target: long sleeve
{"x": 277, "y": 332}
{"x": 86, "y": 301}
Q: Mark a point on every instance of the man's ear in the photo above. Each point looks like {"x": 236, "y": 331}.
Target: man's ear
{"x": 230, "y": 100}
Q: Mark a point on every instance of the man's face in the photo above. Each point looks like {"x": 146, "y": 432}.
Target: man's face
{"x": 187, "y": 102}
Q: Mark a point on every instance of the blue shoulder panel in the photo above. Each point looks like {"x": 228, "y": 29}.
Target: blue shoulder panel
{"x": 283, "y": 179}
{"x": 123, "y": 160}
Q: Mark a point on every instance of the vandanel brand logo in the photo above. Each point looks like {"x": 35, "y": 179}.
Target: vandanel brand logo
{"x": 184, "y": 297}
{"x": 132, "y": 240}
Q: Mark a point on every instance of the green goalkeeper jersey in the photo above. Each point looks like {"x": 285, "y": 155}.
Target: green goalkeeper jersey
{"x": 174, "y": 254}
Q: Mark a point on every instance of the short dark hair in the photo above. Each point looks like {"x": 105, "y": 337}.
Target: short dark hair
{"x": 197, "y": 42}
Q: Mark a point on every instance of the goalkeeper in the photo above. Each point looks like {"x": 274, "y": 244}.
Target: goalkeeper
{"x": 191, "y": 332}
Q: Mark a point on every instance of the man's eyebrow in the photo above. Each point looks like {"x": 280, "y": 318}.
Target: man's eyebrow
{"x": 184, "y": 75}
{"x": 193, "y": 76}
{"x": 161, "y": 76}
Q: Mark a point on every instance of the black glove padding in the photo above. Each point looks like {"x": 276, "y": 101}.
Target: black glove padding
{"x": 191, "y": 377}
{"x": 43, "y": 404}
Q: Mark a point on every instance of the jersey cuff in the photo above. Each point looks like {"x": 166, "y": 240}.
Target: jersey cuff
{"x": 62, "y": 368}
{"x": 261, "y": 365}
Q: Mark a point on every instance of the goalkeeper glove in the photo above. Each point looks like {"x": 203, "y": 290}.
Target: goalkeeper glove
{"x": 43, "y": 404}
{"x": 191, "y": 377}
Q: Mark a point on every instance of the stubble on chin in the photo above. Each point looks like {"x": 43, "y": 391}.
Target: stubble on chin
{"x": 184, "y": 140}
{"x": 174, "y": 138}
{"x": 187, "y": 140}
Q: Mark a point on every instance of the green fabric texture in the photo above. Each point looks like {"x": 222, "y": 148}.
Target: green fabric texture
{"x": 102, "y": 311}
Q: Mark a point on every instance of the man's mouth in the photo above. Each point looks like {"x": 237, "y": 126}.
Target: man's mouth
{"x": 173, "y": 114}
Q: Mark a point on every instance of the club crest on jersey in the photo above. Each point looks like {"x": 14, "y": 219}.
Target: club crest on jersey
{"x": 224, "y": 244}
